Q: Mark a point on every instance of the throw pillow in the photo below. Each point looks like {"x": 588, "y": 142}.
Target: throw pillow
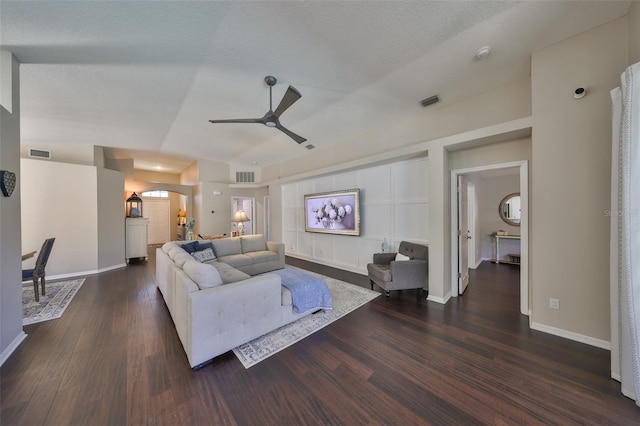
{"x": 204, "y": 255}
{"x": 190, "y": 247}
{"x": 401, "y": 257}
{"x": 203, "y": 274}
{"x": 204, "y": 246}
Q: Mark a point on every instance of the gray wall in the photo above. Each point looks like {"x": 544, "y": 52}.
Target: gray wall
{"x": 11, "y": 333}
{"x": 111, "y": 236}
{"x": 571, "y": 186}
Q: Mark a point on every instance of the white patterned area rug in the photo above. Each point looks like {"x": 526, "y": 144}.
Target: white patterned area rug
{"x": 345, "y": 298}
{"x": 52, "y": 305}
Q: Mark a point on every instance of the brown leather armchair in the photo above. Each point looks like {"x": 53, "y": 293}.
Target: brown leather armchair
{"x": 391, "y": 274}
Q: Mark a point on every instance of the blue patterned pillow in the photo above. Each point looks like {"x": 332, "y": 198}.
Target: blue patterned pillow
{"x": 190, "y": 247}
{"x": 204, "y": 255}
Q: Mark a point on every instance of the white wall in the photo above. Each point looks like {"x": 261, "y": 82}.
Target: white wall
{"x": 76, "y": 153}
{"x": 394, "y": 204}
{"x": 212, "y": 212}
{"x": 60, "y": 200}
{"x": 571, "y": 171}
{"x": 11, "y": 333}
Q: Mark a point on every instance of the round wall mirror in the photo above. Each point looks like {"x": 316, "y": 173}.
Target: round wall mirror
{"x": 509, "y": 209}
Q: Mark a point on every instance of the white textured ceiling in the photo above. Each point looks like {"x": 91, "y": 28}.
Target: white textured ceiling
{"x": 147, "y": 76}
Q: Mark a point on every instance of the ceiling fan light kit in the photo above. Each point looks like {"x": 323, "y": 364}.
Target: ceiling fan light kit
{"x": 272, "y": 118}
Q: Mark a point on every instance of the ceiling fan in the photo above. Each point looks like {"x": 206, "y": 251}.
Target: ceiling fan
{"x": 272, "y": 118}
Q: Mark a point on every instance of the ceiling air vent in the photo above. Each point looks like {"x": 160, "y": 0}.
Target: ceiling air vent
{"x": 39, "y": 153}
{"x": 430, "y": 101}
{"x": 310, "y": 146}
{"x": 245, "y": 177}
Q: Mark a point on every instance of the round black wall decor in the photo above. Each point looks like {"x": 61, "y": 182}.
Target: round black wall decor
{"x": 7, "y": 182}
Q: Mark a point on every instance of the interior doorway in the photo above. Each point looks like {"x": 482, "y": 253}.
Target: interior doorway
{"x": 458, "y": 235}
{"x": 248, "y": 206}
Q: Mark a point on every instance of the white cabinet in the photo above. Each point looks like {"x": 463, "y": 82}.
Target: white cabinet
{"x": 136, "y": 244}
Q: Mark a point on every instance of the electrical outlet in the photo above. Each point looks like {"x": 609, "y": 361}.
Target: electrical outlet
{"x": 554, "y": 303}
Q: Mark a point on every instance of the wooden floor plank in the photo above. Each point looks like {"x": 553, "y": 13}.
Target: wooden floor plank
{"x": 115, "y": 358}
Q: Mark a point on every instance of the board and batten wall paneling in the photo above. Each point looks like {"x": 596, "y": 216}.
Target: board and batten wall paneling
{"x": 393, "y": 205}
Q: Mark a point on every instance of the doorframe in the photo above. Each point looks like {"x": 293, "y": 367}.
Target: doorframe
{"x": 267, "y": 217}
{"x": 524, "y": 227}
{"x": 472, "y": 214}
{"x": 253, "y": 223}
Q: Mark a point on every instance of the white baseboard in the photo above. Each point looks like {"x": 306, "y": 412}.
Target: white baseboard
{"x": 84, "y": 273}
{"x": 12, "y": 347}
{"x": 338, "y": 265}
{"x": 602, "y": 344}
{"x": 441, "y": 300}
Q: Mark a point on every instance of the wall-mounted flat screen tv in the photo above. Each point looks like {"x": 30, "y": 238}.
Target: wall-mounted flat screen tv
{"x": 336, "y": 212}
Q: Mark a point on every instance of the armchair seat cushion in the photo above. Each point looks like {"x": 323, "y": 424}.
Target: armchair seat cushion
{"x": 379, "y": 272}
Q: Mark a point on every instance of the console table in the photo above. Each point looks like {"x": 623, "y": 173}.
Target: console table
{"x": 498, "y": 259}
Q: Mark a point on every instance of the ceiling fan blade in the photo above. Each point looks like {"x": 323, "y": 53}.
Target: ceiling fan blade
{"x": 289, "y": 98}
{"x": 238, "y": 120}
{"x": 289, "y": 133}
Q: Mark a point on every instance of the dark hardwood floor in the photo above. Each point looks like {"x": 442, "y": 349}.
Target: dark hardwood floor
{"x": 114, "y": 358}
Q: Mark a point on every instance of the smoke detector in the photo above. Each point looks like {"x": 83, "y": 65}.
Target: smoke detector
{"x": 483, "y": 52}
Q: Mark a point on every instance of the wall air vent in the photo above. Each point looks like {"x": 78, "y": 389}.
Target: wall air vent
{"x": 39, "y": 153}
{"x": 245, "y": 177}
{"x": 430, "y": 101}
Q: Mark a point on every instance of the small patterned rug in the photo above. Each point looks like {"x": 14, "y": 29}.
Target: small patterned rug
{"x": 346, "y": 298}
{"x": 52, "y": 305}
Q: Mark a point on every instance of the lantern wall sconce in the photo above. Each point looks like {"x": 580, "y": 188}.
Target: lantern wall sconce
{"x": 134, "y": 206}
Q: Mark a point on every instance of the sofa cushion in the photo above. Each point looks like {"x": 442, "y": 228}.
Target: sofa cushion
{"x": 203, "y": 274}
{"x": 251, "y": 243}
{"x": 236, "y": 260}
{"x": 190, "y": 247}
{"x": 232, "y": 275}
{"x": 175, "y": 251}
{"x": 204, "y": 255}
{"x": 262, "y": 256}
{"x": 182, "y": 258}
{"x": 169, "y": 245}
{"x": 226, "y": 246}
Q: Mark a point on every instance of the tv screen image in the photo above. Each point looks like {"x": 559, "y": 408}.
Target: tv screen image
{"x": 336, "y": 212}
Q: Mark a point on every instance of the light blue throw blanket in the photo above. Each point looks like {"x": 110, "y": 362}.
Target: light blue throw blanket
{"x": 307, "y": 291}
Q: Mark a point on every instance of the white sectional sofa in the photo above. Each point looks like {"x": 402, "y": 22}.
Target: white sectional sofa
{"x": 216, "y": 305}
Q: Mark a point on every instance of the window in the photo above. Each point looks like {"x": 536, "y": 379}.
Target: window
{"x": 157, "y": 194}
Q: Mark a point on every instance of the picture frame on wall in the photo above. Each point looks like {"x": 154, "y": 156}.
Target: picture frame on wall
{"x": 336, "y": 212}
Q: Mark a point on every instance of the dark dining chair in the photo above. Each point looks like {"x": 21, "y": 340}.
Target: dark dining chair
{"x": 38, "y": 271}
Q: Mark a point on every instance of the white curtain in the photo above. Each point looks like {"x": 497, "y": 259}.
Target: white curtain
{"x": 625, "y": 234}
